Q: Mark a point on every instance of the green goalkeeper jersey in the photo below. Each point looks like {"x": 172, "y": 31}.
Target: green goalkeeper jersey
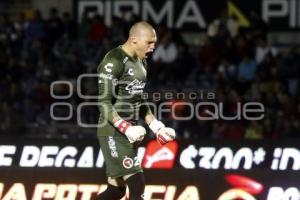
{"x": 121, "y": 80}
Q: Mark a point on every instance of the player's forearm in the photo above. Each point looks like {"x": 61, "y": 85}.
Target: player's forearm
{"x": 108, "y": 112}
{"x": 149, "y": 118}
{"x": 146, "y": 113}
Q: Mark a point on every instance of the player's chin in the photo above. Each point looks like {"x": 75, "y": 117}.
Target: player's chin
{"x": 143, "y": 56}
{"x": 147, "y": 54}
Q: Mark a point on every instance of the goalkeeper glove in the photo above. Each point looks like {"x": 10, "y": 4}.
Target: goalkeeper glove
{"x": 163, "y": 134}
{"x": 133, "y": 133}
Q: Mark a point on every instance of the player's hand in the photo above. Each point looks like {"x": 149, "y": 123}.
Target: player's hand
{"x": 165, "y": 135}
{"x": 133, "y": 133}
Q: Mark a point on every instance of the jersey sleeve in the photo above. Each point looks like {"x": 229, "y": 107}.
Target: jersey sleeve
{"x": 109, "y": 71}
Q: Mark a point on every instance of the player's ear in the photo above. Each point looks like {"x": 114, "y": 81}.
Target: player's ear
{"x": 134, "y": 39}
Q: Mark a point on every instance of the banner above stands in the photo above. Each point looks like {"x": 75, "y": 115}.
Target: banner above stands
{"x": 194, "y": 15}
{"x": 74, "y": 169}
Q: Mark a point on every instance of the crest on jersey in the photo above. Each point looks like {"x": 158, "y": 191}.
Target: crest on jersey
{"x": 127, "y": 162}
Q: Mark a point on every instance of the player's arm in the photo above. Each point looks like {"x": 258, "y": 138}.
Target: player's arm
{"x": 109, "y": 72}
{"x": 163, "y": 134}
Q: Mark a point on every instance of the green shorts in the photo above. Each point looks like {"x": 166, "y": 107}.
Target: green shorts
{"x": 120, "y": 155}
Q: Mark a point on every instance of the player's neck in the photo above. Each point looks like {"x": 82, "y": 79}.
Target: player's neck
{"x": 129, "y": 51}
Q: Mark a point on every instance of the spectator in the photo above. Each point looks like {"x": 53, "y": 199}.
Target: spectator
{"x": 54, "y": 26}
{"x": 254, "y": 131}
{"x": 247, "y": 69}
{"x": 166, "y": 51}
{"x": 259, "y": 28}
{"x": 164, "y": 58}
{"x": 208, "y": 55}
{"x": 36, "y": 27}
{"x": 227, "y": 71}
{"x": 84, "y": 27}
{"x": 98, "y": 30}
{"x": 68, "y": 26}
{"x": 262, "y": 49}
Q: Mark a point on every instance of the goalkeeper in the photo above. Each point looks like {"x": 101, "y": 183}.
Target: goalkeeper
{"x": 122, "y": 78}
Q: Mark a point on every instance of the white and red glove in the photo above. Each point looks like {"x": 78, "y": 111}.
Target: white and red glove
{"x": 163, "y": 134}
{"x": 133, "y": 133}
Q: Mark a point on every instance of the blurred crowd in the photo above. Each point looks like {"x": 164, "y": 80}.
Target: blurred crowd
{"x": 233, "y": 64}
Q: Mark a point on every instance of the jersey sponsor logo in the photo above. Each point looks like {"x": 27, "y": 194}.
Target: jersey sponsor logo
{"x": 106, "y": 76}
{"x": 112, "y": 147}
{"x": 127, "y": 162}
{"x": 130, "y": 72}
{"x": 135, "y": 87}
{"x": 108, "y": 67}
{"x": 158, "y": 156}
